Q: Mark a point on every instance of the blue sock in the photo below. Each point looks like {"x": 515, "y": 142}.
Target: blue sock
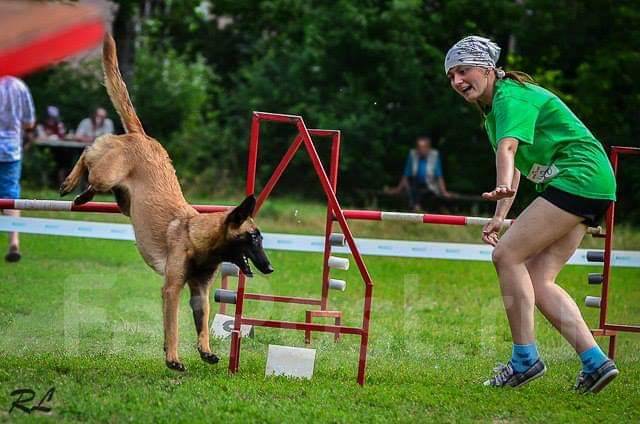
{"x": 524, "y": 356}
{"x": 592, "y": 359}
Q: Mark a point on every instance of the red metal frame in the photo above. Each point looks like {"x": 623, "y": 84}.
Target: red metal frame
{"x": 336, "y": 315}
{"x": 268, "y": 188}
{"x": 334, "y": 212}
{"x": 604, "y": 328}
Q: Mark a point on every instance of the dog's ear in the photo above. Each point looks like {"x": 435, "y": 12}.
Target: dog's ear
{"x": 241, "y": 212}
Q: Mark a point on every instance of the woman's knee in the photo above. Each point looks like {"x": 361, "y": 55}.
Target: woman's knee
{"x": 502, "y": 256}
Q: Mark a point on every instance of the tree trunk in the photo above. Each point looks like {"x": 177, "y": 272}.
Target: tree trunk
{"x": 125, "y": 31}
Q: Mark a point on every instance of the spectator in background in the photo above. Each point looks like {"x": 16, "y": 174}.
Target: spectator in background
{"x": 16, "y": 113}
{"x": 95, "y": 126}
{"x": 422, "y": 180}
{"x": 52, "y": 127}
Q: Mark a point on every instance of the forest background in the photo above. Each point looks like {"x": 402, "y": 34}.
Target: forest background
{"x": 373, "y": 69}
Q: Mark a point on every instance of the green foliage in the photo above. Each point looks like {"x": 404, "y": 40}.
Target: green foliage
{"x": 38, "y": 168}
{"x": 372, "y": 69}
{"x": 76, "y": 88}
{"x": 175, "y": 98}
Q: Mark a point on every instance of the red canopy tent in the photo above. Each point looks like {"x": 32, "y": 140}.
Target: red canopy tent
{"x": 36, "y": 34}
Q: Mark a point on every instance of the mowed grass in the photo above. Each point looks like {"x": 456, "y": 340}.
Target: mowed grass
{"x": 84, "y": 316}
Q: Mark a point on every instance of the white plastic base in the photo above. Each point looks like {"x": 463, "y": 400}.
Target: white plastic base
{"x": 223, "y": 324}
{"x": 290, "y": 361}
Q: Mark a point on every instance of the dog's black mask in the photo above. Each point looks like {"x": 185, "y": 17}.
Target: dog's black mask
{"x": 248, "y": 247}
{"x": 248, "y": 244}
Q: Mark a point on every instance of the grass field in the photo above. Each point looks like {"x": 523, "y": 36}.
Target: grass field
{"x": 84, "y": 316}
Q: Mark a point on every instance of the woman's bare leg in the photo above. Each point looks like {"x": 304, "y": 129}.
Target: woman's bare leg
{"x": 14, "y": 240}
{"x": 539, "y": 226}
{"x": 554, "y": 303}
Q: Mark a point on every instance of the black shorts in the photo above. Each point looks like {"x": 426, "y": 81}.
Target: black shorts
{"x": 592, "y": 210}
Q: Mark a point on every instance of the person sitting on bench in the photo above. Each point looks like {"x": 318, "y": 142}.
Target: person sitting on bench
{"x": 422, "y": 179}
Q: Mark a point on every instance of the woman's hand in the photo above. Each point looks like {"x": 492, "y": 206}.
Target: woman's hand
{"x": 499, "y": 193}
{"x": 491, "y": 231}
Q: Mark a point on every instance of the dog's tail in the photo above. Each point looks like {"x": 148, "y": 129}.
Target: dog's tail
{"x": 117, "y": 89}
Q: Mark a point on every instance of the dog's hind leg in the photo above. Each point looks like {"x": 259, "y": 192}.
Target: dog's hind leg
{"x": 174, "y": 281}
{"x": 73, "y": 179}
{"x": 109, "y": 170}
{"x": 200, "y": 306}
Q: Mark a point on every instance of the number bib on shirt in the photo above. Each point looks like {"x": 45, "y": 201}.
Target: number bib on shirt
{"x": 542, "y": 173}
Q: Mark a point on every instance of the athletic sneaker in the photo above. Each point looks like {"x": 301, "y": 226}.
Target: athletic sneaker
{"x": 506, "y": 376}
{"x": 597, "y": 380}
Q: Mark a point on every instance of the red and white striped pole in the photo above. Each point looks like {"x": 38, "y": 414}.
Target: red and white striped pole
{"x": 68, "y": 206}
{"x": 424, "y": 218}
{"x": 362, "y": 215}
{"x": 427, "y": 218}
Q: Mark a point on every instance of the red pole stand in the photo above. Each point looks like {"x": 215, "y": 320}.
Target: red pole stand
{"x": 336, "y": 315}
{"x": 334, "y": 211}
{"x": 333, "y": 178}
{"x": 604, "y": 328}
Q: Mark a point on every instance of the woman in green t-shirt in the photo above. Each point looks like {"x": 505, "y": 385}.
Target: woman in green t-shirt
{"x": 534, "y": 134}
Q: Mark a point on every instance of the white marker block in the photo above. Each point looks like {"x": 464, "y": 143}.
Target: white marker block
{"x": 223, "y": 324}
{"x": 592, "y": 301}
{"x": 290, "y": 361}
{"x": 227, "y": 269}
{"x": 338, "y": 263}
{"x": 337, "y": 284}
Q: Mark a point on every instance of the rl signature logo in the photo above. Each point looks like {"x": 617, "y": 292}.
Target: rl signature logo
{"x": 25, "y": 396}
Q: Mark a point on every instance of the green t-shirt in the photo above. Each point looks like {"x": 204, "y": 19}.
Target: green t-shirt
{"x": 555, "y": 148}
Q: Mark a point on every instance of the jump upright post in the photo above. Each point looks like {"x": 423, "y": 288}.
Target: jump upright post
{"x": 334, "y": 212}
{"x": 605, "y": 328}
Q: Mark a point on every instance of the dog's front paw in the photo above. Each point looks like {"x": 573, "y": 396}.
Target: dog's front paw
{"x": 208, "y": 357}
{"x": 175, "y": 365}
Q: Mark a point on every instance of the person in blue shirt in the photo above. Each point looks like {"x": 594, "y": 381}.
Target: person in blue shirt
{"x": 422, "y": 179}
{"x": 16, "y": 114}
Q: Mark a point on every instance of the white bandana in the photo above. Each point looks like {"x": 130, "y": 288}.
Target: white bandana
{"x": 472, "y": 50}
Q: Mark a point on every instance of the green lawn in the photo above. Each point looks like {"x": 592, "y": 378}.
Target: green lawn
{"x": 84, "y": 316}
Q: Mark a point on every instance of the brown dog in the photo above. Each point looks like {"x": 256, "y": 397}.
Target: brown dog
{"x": 172, "y": 237}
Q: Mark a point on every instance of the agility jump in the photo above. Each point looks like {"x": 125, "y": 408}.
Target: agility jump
{"x": 337, "y": 215}
{"x": 605, "y": 328}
